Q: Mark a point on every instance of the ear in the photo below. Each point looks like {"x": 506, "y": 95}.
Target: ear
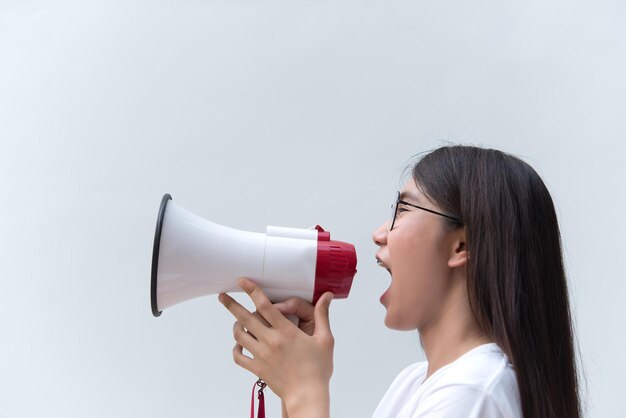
{"x": 459, "y": 253}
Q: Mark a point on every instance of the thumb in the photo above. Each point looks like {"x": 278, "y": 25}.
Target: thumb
{"x": 322, "y": 323}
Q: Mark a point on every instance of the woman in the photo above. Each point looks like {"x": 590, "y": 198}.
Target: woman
{"x": 473, "y": 248}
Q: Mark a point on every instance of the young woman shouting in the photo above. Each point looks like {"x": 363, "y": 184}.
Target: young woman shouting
{"x": 473, "y": 248}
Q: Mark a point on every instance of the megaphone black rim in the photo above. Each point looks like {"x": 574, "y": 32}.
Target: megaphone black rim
{"x": 155, "y": 255}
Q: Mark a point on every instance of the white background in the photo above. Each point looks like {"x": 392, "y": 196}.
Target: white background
{"x": 287, "y": 113}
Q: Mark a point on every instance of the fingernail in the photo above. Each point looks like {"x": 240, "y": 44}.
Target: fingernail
{"x": 244, "y": 283}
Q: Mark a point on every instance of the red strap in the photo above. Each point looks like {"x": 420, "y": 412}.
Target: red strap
{"x": 261, "y": 411}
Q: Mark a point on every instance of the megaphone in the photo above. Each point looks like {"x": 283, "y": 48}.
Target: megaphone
{"x": 194, "y": 257}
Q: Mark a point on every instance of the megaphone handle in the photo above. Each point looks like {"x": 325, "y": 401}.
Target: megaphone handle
{"x": 293, "y": 318}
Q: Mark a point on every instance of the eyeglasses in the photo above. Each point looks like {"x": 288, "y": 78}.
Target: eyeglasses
{"x": 394, "y": 211}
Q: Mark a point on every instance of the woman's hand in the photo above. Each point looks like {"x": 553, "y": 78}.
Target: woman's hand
{"x": 302, "y": 309}
{"x": 296, "y": 366}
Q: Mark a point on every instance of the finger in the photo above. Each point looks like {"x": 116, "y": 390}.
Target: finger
{"x": 251, "y": 322}
{"x": 242, "y": 360}
{"x": 296, "y": 306}
{"x": 263, "y": 321}
{"x": 245, "y": 339}
{"x": 322, "y": 322}
{"x": 263, "y": 304}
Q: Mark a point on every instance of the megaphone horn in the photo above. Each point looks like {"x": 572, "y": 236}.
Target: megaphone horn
{"x": 194, "y": 257}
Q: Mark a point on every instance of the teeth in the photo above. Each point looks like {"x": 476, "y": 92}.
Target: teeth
{"x": 381, "y": 264}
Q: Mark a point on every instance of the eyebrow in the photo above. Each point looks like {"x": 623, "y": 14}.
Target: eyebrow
{"x": 410, "y": 195}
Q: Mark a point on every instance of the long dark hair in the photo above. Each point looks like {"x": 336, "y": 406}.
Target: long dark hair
{"x": 515, "y": 276}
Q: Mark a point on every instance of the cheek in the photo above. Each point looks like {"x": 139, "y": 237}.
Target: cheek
{"x": 410, "y": 298}
{"x": 417, "y": 288}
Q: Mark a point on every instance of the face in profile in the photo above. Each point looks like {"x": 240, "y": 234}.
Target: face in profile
{"x": 420, "y": 253}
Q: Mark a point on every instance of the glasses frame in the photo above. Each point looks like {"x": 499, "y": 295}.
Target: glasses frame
{"x": 394, "y": 208}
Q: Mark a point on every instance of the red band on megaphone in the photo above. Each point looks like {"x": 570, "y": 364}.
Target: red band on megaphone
{"x": 335, "y": 266}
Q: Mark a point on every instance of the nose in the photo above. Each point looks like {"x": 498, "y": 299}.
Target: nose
{"x": 380, "y": 235}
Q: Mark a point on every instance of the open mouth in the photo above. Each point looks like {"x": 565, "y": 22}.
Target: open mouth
{"x": 384, "y": 297}
{"x": 382, "y": 264}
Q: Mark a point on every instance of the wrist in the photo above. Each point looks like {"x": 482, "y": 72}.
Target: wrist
{"x": 309, "y": 402}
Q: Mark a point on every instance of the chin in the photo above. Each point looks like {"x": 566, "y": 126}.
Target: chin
{"x": 398, "y": 325}
{"x": 392, "y": 323}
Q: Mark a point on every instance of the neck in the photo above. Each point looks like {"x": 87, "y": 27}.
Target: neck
{"x": 452, "y": 334}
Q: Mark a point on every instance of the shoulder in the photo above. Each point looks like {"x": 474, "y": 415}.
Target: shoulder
{"x": 463, "y": 401}
{"x": 486, "y": 366}
{"x": 482, "y": 383}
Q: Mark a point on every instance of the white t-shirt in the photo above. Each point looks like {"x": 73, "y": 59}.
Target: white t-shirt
{"x": 480, "y": 383}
